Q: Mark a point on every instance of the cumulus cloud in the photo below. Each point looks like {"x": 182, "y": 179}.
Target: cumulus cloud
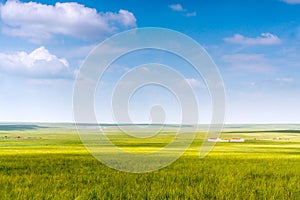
{"x": 40, "y": 63}
{"x": 249, "y": 62}
{"x": 264, "y": 39}
{"x": 176, "y": 7}
{"x": 291, "y": 1}
{"x": 40, "y": 22}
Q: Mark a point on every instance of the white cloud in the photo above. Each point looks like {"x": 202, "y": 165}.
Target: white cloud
{"x": 191, "y": 14}
{"x": 291, "y": 1}
{"x": 37, "y": 64}
{"x": 249, "y": 62}
{"x": 194, "y": 82}
{"x": 285, "y": 80}
{"x": 264, "y": 39}
{"x": 179, "y": 8}
{"x": 176, "y": 7}
{"x": 40, "y": 22}
{"x": 274, "y": 83}
{"x": 243, "y": 57}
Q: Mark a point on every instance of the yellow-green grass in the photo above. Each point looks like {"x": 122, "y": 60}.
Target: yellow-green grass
{"x": 52, "y": 163}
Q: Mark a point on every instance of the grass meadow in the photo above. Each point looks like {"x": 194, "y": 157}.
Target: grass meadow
{"x": 48, "y": 161}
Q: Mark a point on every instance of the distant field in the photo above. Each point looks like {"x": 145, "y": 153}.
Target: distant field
{"x": 48, "y": 161}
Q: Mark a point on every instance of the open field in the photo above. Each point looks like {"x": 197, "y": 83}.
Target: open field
{"x": 48, "y": 161}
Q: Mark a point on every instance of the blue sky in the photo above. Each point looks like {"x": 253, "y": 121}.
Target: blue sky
{"x": 255, "y": 44}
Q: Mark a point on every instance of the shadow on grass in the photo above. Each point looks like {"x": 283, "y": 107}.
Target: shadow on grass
{"x": 267, "y": 131}
{"x": 19, "y": 127}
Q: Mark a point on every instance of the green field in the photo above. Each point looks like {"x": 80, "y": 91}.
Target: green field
{"x": 48, "y": 161}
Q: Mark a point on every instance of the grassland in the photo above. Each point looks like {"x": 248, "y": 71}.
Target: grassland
{"x": 48, "y": 161}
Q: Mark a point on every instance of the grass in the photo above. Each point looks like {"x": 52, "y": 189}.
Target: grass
{"x": 51, "y": 163}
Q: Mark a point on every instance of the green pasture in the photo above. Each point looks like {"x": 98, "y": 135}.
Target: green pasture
{"x": 49, "y": 161}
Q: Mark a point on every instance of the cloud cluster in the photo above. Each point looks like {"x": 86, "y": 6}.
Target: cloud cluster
{"x": 264, "y": 39}
{"x": 291, "y": 1}
{"x": 179, "y": 8}
{"x": 176, "y": 7}
{"x": 40, "y": 63}
{"x": 40, "y": 22}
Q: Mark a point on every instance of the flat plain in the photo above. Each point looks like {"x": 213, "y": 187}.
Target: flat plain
{"x": 49, "y": 161}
